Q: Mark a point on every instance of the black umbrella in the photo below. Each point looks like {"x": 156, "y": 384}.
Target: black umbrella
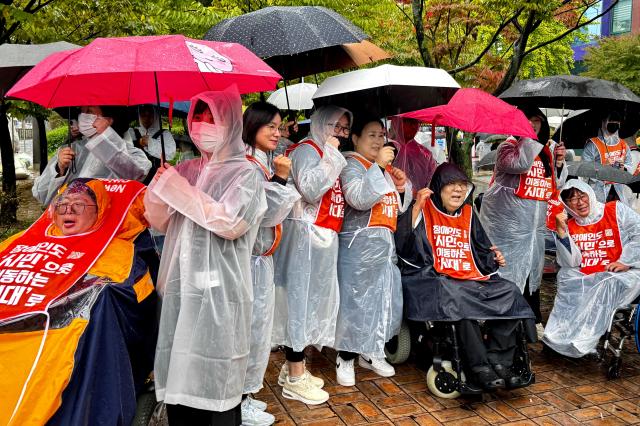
{"x": 571, "y": 92}
{"x": 583, "y": 125}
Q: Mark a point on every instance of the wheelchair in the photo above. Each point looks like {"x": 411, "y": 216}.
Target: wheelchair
{"x": 436, "y": 345}
{"x": 624, "y": 325}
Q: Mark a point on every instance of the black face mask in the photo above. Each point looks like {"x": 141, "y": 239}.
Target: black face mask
{"x": 613, "y": 127}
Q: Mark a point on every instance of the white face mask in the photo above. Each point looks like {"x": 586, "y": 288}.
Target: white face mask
{"x": 207, "y": 136}
{"x": 85, "y": 124}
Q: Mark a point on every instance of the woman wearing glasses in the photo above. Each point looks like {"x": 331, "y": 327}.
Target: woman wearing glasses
{"x": 306, "y": 273}
{"x": 599, "y": 255}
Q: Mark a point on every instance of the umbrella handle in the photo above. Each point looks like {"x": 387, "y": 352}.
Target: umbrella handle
{"x": 162, "y": 155}
{"x": 73, "y": 160}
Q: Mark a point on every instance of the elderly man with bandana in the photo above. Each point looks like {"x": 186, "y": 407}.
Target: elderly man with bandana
{"x": 609, "y": 148}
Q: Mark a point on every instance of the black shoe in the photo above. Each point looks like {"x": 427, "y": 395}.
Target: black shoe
{"x": 511, "y": 381}
{"x": 487, "y": 378}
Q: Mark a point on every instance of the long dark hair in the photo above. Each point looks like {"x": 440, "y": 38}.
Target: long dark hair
{"x": 257, "y": 115}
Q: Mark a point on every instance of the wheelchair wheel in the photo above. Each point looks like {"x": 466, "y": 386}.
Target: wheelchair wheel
{"x": 144, "y": 409}
{"x": 398, "y": 349}
{"x": 445, "y": 383}
{"x": 613, "y": 372}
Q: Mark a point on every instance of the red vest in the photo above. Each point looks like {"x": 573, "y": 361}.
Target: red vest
{"x": 330, "y": 212}
{"x": 554, "y": 208}
{"x": 599, "y": 242}
{"x": 384, "y": 213}
{"x": 277, "y": 230}
{"x": 534, "y": 185}
{"x": 611, "y": 154}
{"x": 450, "y": 241}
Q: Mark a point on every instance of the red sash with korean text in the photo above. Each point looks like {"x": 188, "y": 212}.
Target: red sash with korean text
{"x": 450, "y": 240}
{"x": 554, "y": 208}
{"x": 534, "y": 185}
{"x": 609, "y": 155}
{"x": 384, "y": 213}
{"x": 599, "y": 242}
{"x": 277, "y": 230}
{"x": 330, "y": 212}
{"x": 37, "y": 268}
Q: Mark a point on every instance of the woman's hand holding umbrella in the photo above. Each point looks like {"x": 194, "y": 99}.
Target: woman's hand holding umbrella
{"x": 65, "y": 157}
{"x": 560, "y": 152}
{"x": 399, "y": 178}
{"x": 163, "y": 168}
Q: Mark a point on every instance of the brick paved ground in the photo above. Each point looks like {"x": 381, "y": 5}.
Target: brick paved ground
{"x": 566, "y": 392}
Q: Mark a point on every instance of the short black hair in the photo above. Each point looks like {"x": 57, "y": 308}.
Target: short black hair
{"x": 201, "y": 106}
{"x": 258, "y": 114}
{"x": 569, "y": 193}
{"x": 360, "y": 122}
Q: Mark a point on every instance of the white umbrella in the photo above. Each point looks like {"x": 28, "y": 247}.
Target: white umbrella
{"x": 387, "y": 89}
{"x": 299, "y": 96}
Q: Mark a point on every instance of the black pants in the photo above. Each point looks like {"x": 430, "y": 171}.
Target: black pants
{"x": 181, "y": 415}
{"x": 533, "y": 299}
{"x": 293, "y": 356}
{"x": 500, "y": 346}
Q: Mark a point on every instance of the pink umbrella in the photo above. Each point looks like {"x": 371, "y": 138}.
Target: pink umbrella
{"x": 473, "y": 110}
{"x": 129, "y": 71}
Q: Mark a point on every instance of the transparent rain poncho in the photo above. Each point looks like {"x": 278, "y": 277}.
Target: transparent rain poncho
{"x": 413, "y": 159}
{"x": 585, "y": 304}
{"x": 155, "y": 143}
{"x": 105, "y": 155}
{"x": 515, "y": 225}
{"x": 210, "y": 209}
{"x": 600, "y": 188}
{"x": 370, "y": 284}
{"x": 306, "y": 275}
{"x": 280, "y": 199}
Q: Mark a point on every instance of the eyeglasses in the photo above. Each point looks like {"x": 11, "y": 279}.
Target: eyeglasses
{"x": 76, "y": 208}
{"x": 574, "y": 200}
{"x": 340, "y": 129}
{"x": 273, "y": 128}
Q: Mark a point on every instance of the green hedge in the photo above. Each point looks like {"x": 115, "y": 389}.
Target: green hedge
{"x": 55, "y": 138}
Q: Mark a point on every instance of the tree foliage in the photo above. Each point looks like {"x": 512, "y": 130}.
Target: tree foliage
{"x": 616, "y": 59}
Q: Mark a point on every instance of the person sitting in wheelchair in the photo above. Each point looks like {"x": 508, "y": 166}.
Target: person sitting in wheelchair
{"x": 449, "y": 273}
{"x": 598, "y": 250}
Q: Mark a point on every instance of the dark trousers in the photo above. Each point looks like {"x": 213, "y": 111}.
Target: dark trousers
{"x": 181, "y": 415}
{"x": 499, "y": 348}
{"x": 293, "y": 356}
{"x": 533, "y": 299}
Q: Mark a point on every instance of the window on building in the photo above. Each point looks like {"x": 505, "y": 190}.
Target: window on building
{"x": 621, "y": 17}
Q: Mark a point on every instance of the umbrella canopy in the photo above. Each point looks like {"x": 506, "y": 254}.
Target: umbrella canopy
{"x": 299, "y": 96}
{"x": 299, "y": 40}
{"x": 473, "y": 110}
{"x": 17, "y": 59}
{"x": 387, "y": 89}
{"x": 129, "y": 70}
{"x": 599, "y": 171}
{"x": 582, "y": 125}
{"x": 489, "y": 159}
{"x": 571, "y": 92}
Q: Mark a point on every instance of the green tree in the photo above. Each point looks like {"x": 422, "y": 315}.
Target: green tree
{"x": 616, "y": 59}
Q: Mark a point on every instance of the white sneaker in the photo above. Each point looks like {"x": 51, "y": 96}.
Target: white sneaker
{"x": 284, "y": 372}
{"x": 251, "y": 416}
{"x": 260, "y": 405}
{"x": 540, "y": 330}
{"x": 379, "y": 365}
{"x": 345, "y": 373}
{"x": 304, "y": 390}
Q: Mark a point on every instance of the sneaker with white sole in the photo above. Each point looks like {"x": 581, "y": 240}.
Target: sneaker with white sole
{"x": 284, "y": 372}
{"x": 379, "y": 366}
{"x": 260, "y": 405}
{"x": 345, "y": 373}
{"x": 251, "y": 416}
{"x": 304, "y": 390}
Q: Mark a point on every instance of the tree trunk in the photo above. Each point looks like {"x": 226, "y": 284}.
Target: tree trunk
{"x": 519, "y": 49}
{"x": 42, "y": 135}
{"x": 8, "y": 200}
{"x": 417, "y": 7}
{"x": 460, "y": 154}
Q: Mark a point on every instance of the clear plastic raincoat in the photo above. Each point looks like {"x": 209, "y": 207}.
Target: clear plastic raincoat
{"x": 370, "y": 284}
{"x": 105, "y": 155}
{"x": 413, "y": 159}
{"x": 517, "y": 226}
{"x": 585, "y": 303}
{"x": 210, "y": 209}
{"x": 306, "y": 278}
{"x": 280, "y": 200}
{"x": 154, "y": 148}
{"x": 600, "y": 188}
